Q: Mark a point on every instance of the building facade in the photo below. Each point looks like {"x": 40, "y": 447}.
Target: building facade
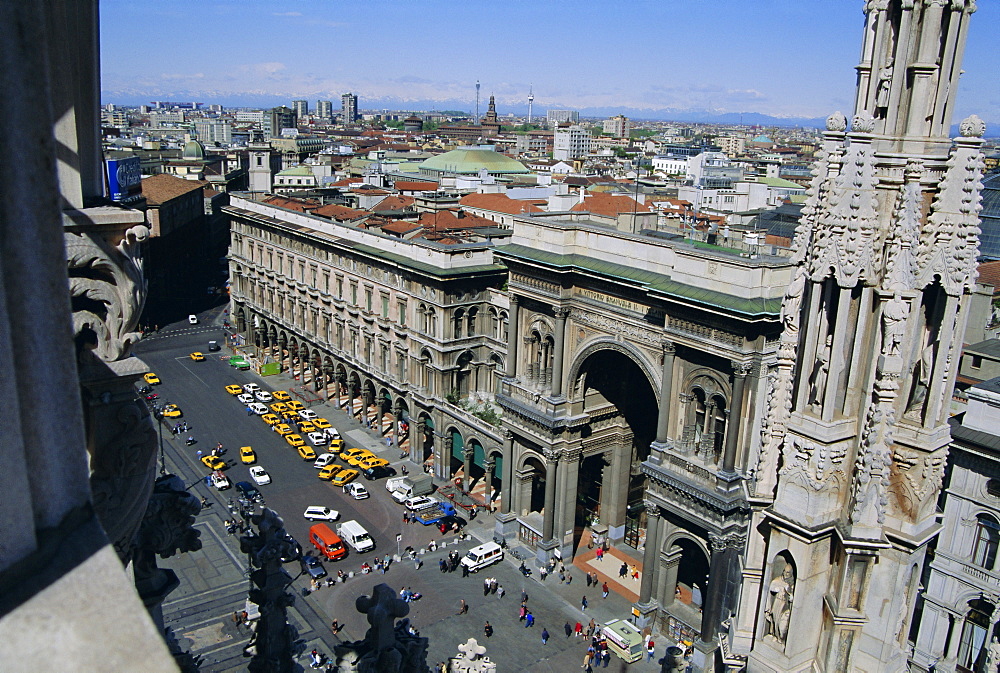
{"x": 554, "y": 117}
{"x": 570, "y": 143}
{"x": 349, "y": 108}
{"x": 324, "y": 109}
{"x": 405, "y": 334}
{"x": 617, "y": 126}
{"x": 959, "y": 629}
{"x": 301, "y": 108}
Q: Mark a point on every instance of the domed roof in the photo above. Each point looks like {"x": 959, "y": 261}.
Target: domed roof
{"x": 989, "y": 239}
{"x": 471, "y": 160}
{"x": 193, "y": 150}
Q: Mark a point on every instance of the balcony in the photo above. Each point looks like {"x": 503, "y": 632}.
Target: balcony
{"x": 514, "y": 398}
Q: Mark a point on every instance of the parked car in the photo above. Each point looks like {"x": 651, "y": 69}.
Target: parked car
{"x": 324, "y": 459}
{"x": 305, "y": 427}
{"x": 324, "y": 424}
{"x": 313, "y": 566}
{"x": 329, "y": 471}
{"x": 294, "y": 440}
{"x": 282, "y": 429}
{"x": 270, "y": 419}
{"x": 306, "y": 452}
{"x": 295, "y": 406}
{"x": 356, "y": 491}
{"x": 234, "y": 389}
{"x": 343, "y": 477}
{"x": 220, "y": 481}
{"x": 250, "y": 387}
{"x": 263, "y": 396}
{"x": 260, "y": 475}
{"x": 317, "y": 438}
{"x": 246, "y": 398}
{"x": 192, "y": 319}
{"x": 373, "y": 473}
{"x": 419, "y": 502}
{"x": 247, "y": 455}
{"x": 308, "y": 414}
{"x": 258, "y": 408}
{"x": 172, "y": 411}
{"x": 279, "y": 407}
{"x": 320, "y": 513}
{"x": 281, "y": 395}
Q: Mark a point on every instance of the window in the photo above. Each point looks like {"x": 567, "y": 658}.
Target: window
{"x": 974, "y": 643}
{"x": 354, "y": 294}
{"x": 340, "y": 288}
{"x": 984, "y": 553}
{"x": 402, "y": 314}
{"x": 977, "y": 361}
{"x": 385, "y": 306}
{"x": 368, "y": 300}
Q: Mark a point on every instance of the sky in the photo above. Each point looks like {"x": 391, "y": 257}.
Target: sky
{"x": 785, "y": 58}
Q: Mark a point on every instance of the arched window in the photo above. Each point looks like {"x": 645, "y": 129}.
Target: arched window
{"x": 459, "y": 320}
{"x": 494, "y": 323}
{"x": 473, "y": 314}
{"x": 504, "y": 326}
{"x": 984, "y": 552}
{"x": 974, "y": 646}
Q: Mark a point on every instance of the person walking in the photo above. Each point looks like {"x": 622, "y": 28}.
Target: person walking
{"x": 586, "y": 659}
{"x": 488, "y": 630}
{"x": 591, "y": 628}
{"x": 650, "y": 649}
{"x": 588, "y": 578}
{"x": 486, "y": 587}
{"x": 605, "y": 590}
{"x": 583, "y": 603}
{"x": 578, "y": 629}
{"x": 529, "y": 620}
{"x": 522, "y": 613}
{"x": 545, "y": 636}
{"x": 524, "y": 596}
{"x": 500, "y": 591}
{"x": 623, "y": 571}
{"x": 464, "y": 609}
{"x": 568, "y": 629}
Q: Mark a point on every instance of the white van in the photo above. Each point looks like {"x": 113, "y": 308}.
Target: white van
{"x": 354, "y": 534}
{"x": 482, "y": 556}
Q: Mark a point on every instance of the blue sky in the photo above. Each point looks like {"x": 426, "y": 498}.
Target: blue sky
{"x": 777, "y": 57}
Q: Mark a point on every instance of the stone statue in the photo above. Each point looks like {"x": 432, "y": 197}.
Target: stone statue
{"x": 884, "y": 81}
{"x": 471, "y": 659}
{"x": 921, "y": 379}
{"x": 388, "y": 646}
{"x": 382, "y": 607}
{"x": 779, "y": 609}
{"x": 821, "y": 372}
{"x": 993, "y": 656}
{"x": 793, "y": 301}
{"x": 894, "y": 325}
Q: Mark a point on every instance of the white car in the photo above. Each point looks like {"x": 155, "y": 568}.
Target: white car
{"x": 193, "y": 319}
{"x": 258, "y": 408}
{"x": 356, "y": 491}
{"x": 308, "y": 415}
{"x": 246, "y": 398}
{"x": 259, "y": 475}
{"x": 250, "y": 388}
{"x": 324, "y": 459}
{"x": 317, "y": 438}
{"x": 263, "y": 396}
{"x": 317, "y": 513}
{"x": 331, "y": 432}
{"x": 398, "y": 495}
{"x": 221, "y": 481}
{"x": 419, "y": 502}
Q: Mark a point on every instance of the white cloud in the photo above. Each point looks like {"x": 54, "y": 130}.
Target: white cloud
{"x": 286, "y": 13}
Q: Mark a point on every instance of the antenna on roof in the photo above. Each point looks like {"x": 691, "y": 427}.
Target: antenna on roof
{"x": 477, "y": 102}
{"x": 531, "y": 99}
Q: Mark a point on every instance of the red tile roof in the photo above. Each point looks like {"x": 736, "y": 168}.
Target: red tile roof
{"x": 445, "y": 220}
{"x": 401, "y": 227}
{"x": 158, "y": 189}
{"x": 610, "y": 205}
{"x": 340, "y": 213}
{"x": 415, "y": 186}
{"x": 301, "y": 205}
{"x": 989, "y": 274}
{"x": 500, "y": 203}
{"x": 346, "y": 182}
{"x": 394, "y": 203}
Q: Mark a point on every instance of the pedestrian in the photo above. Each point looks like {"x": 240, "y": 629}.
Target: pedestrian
{"x": 588, "y": 578}
{"x": 486, "y": 587}
{"x": 583, "y": 603}
{"x": 606, "y": 655}
{"x": 568, "y": 629}
{"x": 442, "y": 565}
{"x": 545, "y": 636}
{"x": 529, "y": 620}
{"x": 543, "y": 571}
{"x": 578, "y": 629}
{"x": 472, "y": 512}
{"x": 604, "y": 590}
{"x": 335, "y": 626}
{"x": 406, "y": 518}
{"x": 524, "y": 596}
{"x": 198, "y": 453}
{"x": 249, "y": 411}
{"x": 417, "y": 563}
{"x": 591, "y": 628}
{"x": 650, "y": 649}
{"x": 237, "y": 620}
{"x": 493, "y": 585}
{"x": 562, "y": 577}
{"x": 635, "y": 572}
{"x": 465, "y": 571}
{"x": 600, "y": 554}
{"x": 586, "y": 659}
{"x": 488, "y": 630}
{"x": 500, "y": 591}
{"x": 522, "y": 613}
{"x": 569, "y": 579}
{"x": 623, "y": 570}
{"x": 464, "y": 609}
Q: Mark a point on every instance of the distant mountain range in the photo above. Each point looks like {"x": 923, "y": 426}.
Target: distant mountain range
{"x": 694, "y": 115}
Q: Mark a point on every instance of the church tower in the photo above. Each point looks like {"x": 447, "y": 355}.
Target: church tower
{"x": 855, "y": 438}
{"x": 261, "y": 172}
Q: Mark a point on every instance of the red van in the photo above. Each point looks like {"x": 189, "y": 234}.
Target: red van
{"x": 327, "y": 542}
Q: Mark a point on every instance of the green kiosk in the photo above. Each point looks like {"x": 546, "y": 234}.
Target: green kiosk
{"x": 624, "y": 639}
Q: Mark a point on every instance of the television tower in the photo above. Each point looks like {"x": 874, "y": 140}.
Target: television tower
{"x": 531, "y": 99}
{"x": 477, "y": 101}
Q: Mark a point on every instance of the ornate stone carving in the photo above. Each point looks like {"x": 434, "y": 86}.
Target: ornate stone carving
{"x": 168, "y": 524}
{"x": 615, "y": 326}
{"x": 814, "y": 463}
{"x": 471, "y": 659}
{"x": 107, "y": 290}
{"x": 836, "y": 122}
{"x": 863, "y": 122}
{"x": 894, "y": 316}
{"x": 388, "y": 646}
{"x": 915, "y": 480}
{"x": 742, "y": 369}
{"x": 791, "y": 304}
{"x": 871, "y": 467}
{"x": 777, "y": 616}
{"x": 904, "y": 236}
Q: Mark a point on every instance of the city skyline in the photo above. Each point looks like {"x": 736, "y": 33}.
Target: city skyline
{"x": 774, "y": 57}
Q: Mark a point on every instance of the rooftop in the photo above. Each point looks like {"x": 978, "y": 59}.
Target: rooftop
{"x": 158, "y": 189}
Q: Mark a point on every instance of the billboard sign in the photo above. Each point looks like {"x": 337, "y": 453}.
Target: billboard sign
{"x": 124, "y": 179}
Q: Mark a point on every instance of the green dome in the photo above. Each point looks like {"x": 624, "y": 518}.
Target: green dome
{"x": 471, "y": 160}
{"x": 193, "y": 150}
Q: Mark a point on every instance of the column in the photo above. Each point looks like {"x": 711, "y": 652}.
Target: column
{"x": 740, "y": 372}
{"x": 663, "y": 412}
{"x": 513, "y": 336}
{"x": 489, "y": 465}
{"x": 671, "y": 561}
{"x": 708, "y": 428}
{"x": 416, "y": 440}
{"x": 723, "y": 582}
{"x": 551, "y": 472}
{"x": 508, "y": 472}
{"x": 569, "y": 472}
{"x": 650, "y": 553}
{"x": 467, "y": 454}
{"x": 614, "y": 492}
{"x": 442, "y": 452}
{"x": 557, "y": 360}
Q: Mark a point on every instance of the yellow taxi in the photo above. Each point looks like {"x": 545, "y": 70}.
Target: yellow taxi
{"x": 213, "y": 462}
{"x": 306, "y": 452}
{"x": 247, "y": 455}
{"x": 282, "y": 429}
{"x": 151, "y": 378}
{"x": 295, "y": 440}
{"x": 336, "y": 445}
{"x": 234, "y": 389}
{"x": 270, "y": 419}
{"x": 197, "y": 357}
{"x": 279, "y": 407}
{"x": 295, "y": 406}
{"x": 306, "y": 427}
{"x": 355, "y": 459}
{"x": 344, "y": 476}
{"x": 367, "y": 463}
{"x": 281, "y": 395}
{"x": 172, "y": 411}
{"x": 322, "y": 423}
{"x": 327, "y": 473}
{"x": 291, "y": 416}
